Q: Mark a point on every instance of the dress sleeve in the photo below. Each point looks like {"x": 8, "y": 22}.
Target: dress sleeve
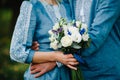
{"x": 106, "y": 15}
{"x": 22, "y": 38}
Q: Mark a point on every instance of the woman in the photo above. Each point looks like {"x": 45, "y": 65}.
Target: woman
{"x": 35, "y": 20}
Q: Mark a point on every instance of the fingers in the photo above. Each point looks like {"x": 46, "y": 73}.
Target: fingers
{"x": 68, "y": 59}
{"x": 40, "y": 73}
{"x": 40, "y": 69}
{"x": 71, "y": 60}
{"x": 33, "y": 66}
{"x": 69, "y": 55}
{"x": 71, "y": 67}
{"x": 35, "y": 71}
{"x": 35, "y": 45}
{"x": 73, "y": 63}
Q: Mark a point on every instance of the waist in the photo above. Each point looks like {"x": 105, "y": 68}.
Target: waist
{"x": 45, "y": 47}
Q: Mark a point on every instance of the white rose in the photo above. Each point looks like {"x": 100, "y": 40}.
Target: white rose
{"x": 66, "y": 41}
{"x": 56, "y": 26}
{"x": 76, "y": 37}
{"x": 78, "y": 23}
{"x": 54, "y": 45}
{"x": 85, "y": 37}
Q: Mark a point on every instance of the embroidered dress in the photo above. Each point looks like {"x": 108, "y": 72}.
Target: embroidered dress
{"x": 35, "y": 20}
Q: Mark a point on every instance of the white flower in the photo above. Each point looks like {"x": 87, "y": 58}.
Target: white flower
{"x": 66, "y": 41}
{"x": 76, "y": 37}
{"x": 50, "y": 32}
{"x": 85, "y": 37}
{"x": 54, "y": 45}
{"x": 78, "y": 23}
{"x": 56, "y": 26}
{"x": 73, "y": 30}
{"x": 65, "y": 28}
{"x": 85, "y": 27}
{"x": 52, "y": 38}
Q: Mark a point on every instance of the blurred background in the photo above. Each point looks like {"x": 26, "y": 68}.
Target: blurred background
{"x": 9, "y": 70}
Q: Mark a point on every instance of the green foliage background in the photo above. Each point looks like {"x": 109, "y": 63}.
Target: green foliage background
{"x": 9, "y": 70}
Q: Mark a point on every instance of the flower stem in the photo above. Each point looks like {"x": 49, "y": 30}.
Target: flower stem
{"x": 77, "y": 75}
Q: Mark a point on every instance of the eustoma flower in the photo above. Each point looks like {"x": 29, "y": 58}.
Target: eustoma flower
{"x": 54, "y": 45}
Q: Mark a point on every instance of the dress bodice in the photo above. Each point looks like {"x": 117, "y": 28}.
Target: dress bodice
{"x": 47, "y": 16}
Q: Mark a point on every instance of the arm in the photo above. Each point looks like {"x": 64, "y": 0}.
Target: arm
{"x": 35, "y": 46}
{"x": 23, "y": 34}
{"x": 107, "y": 13}
{"x": 45, "y": 66}
{"x": 42, "y": 57}
{"x": 42, "y": 68}
{"x": 56, "y": 56}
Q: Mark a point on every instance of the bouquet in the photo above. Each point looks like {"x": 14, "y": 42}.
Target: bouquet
{"x": 70, "y": 37}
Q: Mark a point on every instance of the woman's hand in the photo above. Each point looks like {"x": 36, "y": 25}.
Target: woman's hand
{"x": 67, "y": 59}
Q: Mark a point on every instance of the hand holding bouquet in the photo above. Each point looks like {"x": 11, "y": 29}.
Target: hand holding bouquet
{"x": 70, "y": 37}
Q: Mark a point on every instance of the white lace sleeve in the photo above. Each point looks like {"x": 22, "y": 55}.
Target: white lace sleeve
{"x": 19, "y": 49}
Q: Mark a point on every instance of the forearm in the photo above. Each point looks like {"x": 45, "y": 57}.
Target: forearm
{"x": 41, "y": 57}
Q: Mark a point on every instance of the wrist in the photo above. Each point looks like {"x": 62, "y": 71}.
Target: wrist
{"x": 57, "y": 55}
{"x": 54, "y": 56}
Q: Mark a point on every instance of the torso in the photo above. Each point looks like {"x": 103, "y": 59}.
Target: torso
{"x": 46, "y": 18}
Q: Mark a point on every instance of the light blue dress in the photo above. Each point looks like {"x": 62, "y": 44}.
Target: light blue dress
{"x": 35, "y": 20}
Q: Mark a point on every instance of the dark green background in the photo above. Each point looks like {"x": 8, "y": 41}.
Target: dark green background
{"x": 9, "y": 70}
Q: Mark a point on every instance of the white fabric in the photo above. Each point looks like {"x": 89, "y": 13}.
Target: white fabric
{"x": 56, "y": 11}
{"x": 82, "y": 10}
